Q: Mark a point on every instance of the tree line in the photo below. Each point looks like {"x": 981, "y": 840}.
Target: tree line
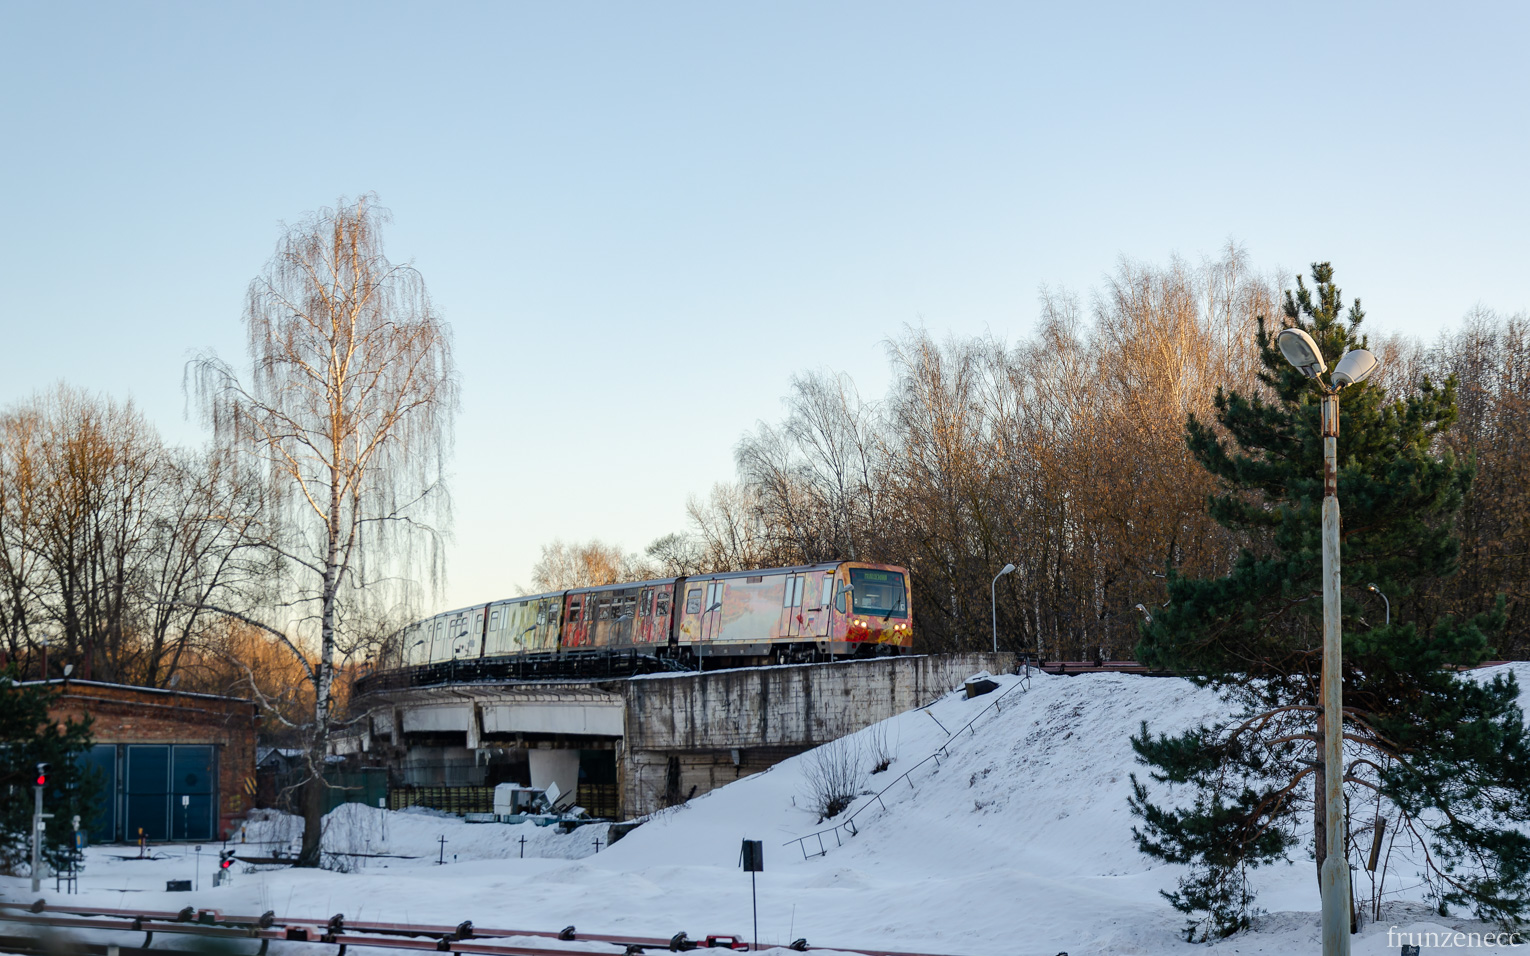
{"x": 1065, "y": 454}
{"x": 111, "y": 539}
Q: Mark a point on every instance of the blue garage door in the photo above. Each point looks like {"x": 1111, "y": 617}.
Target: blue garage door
{"x": 171, "y": 792}
{"x": 101, "y": 760}
{"x": 193, "y": 771}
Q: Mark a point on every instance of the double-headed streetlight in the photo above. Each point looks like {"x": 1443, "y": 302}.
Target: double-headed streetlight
{"x": 1355, "y": 366}
{"x": 993, "y": 599}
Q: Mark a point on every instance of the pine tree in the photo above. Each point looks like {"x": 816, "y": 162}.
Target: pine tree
{"x": 1446, "y": 754}
{"x": 29, "y": 736}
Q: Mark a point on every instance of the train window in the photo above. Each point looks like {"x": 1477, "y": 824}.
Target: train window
{"x": 693, "y": 601}
{"x": 603, "y": 610}
{"x": 661, "y": 605}
{"x": 878, "y": 592}
{"x": 793, "y": 595}
{"x": 645, "y": 604}
{"x": 573, "y": 611}
{"x": 828, "y": 590}
{"x": 754, "y": 579}
{"x": 493, "y": 620}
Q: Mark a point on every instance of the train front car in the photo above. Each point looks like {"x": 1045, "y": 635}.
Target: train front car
{"x": 784, "y": 615}
{"x": 873, "y": 614}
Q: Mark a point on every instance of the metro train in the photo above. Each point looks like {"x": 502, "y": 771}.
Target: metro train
{"x": 773, "y": 615}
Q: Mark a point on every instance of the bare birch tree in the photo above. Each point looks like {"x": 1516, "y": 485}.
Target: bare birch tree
{"x": 348, "y": 410}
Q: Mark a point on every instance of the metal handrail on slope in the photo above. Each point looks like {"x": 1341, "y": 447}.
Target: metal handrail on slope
{"x": 848, "y": 824}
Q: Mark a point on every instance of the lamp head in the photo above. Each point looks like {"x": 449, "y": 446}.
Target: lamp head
{"x": 1356, "y": 366}
{"x": 1301, "y": 351}
{"x": 1372, "y": 587}
{"x": 1007, "y": 568}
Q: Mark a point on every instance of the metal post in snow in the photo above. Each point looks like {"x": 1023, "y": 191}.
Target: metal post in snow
{"x": 37, "y": 832}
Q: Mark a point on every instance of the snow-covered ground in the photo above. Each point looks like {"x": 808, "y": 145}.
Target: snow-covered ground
{"x": 1019, "y": 842}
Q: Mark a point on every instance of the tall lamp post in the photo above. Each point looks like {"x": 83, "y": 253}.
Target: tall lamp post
{"x": 1372, "y": 587}
{"x": 1355, "y": 366}
{"x": 993, "y": 600}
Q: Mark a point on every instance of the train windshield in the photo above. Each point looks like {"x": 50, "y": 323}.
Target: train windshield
{"x": 878, "y": 592}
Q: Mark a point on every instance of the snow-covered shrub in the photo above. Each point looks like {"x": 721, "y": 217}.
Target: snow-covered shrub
{"x": 879, "y": 750}
{"x": 833, "y": 776}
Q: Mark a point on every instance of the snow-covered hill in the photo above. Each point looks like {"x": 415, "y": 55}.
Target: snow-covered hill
{"x": 1017, "y": 842}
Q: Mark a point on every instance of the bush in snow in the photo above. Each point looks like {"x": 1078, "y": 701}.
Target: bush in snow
{"x": 833, "y": 776}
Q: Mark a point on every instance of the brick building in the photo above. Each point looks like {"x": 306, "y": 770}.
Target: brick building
{"x": 175, "y": 765}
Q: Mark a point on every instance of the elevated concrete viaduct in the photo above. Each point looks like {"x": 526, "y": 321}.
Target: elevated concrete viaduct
{"x": 658, "y": 739}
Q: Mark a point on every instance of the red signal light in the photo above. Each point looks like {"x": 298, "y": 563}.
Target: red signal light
{"x": 42, "y": 775}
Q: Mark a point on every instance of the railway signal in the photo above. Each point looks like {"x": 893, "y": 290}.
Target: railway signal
{"x": 39, "y": 823}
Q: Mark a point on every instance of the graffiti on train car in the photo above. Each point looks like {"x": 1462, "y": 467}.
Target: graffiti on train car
{"x": 770, "y": 615}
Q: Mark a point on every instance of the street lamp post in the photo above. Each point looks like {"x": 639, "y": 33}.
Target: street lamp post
{"x": 1372, "y": 587}
{"x": 1355, "y": 366}
{"x": 993, "y": 599}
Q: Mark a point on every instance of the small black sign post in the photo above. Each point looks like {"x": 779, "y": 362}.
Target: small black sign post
{"x": 752, "y": 856}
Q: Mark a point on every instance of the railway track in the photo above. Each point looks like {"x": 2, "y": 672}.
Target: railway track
{"x": 211, "y": 924}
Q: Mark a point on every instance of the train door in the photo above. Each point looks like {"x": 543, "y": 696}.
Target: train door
{"x": 474, "y": 643}
{"x": 544, "y": 635}
{"x": 791, "y": 605}
{"x": 440, "y": 641}
{"x": 661, "y": 615}
{"x": 625, "y": 605}
{"x": 820, "y": 595}
{"x": 711, "y": 611}
{"x": 645, "y": 617}
{"x": 574, "y": 627}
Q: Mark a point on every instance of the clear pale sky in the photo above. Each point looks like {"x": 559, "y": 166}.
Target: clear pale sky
{"x": 641, "y": 218}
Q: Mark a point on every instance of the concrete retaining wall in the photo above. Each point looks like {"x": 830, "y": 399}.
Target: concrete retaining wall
{"x": 687, "y": 734}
